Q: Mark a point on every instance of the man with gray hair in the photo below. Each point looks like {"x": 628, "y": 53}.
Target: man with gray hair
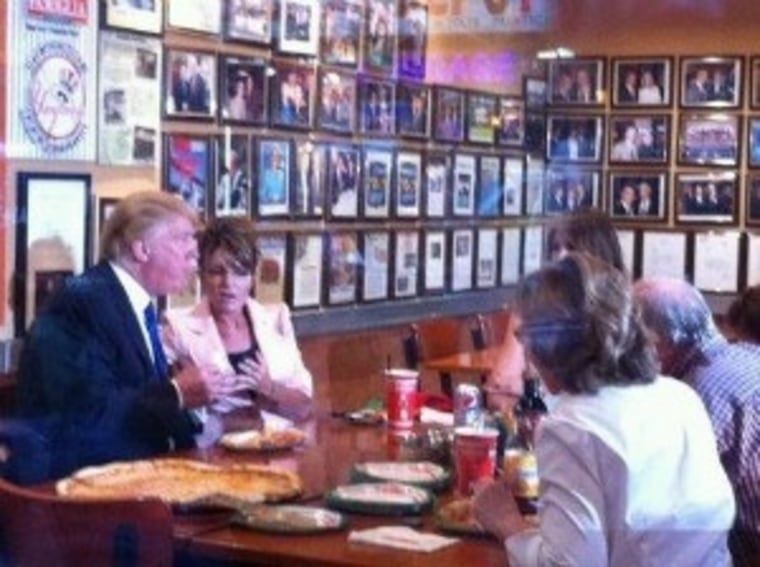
{"x": 727, "y": 378}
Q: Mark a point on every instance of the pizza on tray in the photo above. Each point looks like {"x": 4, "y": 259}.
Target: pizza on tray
{"x": 181, "y": 481}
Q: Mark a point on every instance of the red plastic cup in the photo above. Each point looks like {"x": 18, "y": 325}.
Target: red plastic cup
{"x": 474, "y": 457}
{"x": 401, "y": 399}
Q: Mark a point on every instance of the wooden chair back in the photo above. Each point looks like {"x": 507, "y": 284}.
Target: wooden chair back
{"x": 439, "y": 337}
{"x": 45, "y": 529}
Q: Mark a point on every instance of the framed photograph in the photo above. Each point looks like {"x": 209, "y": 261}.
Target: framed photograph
{"x": 462, "y": 248}
{"x": 709, "y": 197}
{"x": 298, "y": 27}
{"x": 535, "y": 133}
{"x": 510, "y": 255}
{"x": 377, "y": 105}
{"x": 337, "y": 95}
{"x": 753, "y": 142}
{"x": 244, "y": 90}
{"x": 663, "y": 254}
{"x": 642, "y": 82}
{"x": 535, "y": 93}
{"x": 379, "y": 39}
{"x": 343, "y": 261}
{"x": 511, "y": 128}
{"x": 292, "y": 95}
{"x": 408, "y": 184}
{"x": 513, "y": 173}
{"x": 464, "y": 178}
{"x": 376, "y": 267}
{"x": 52, "y": 238}
{"x": 639, "y": 139}
{"x": 481, "y": 110}
{"x": 248, "y": 21}
{"x": 272, "y": 267}
{"x": 752, "y": 191}
{"x": 412, "y": 38}
{"x": 273, "y": 183}
{"x": 406, "y": 263}
{"x": 232, "y": 194}
{"x": 306, "y": 277}
{"x": 576, "y": 82}
{"x": 341, "y": 32}
{"x": 203, "y": 16}
{"x": 448, "y": 114}
{"x": 486, "y": 263}
{"x": 413, "y": 110}
{"x": 569, "y": 189}
{"x": 378, "y": 171}
{"x": 535, "y": 177}
{"x": 310, "y": 178}
{"x": 754, "y": 99}
{"x": 434, "y": 261}
{"x": 187, "y": 168}
{"x": 575, "y": 138}
{"x": 708, "y": 139}
{"x": 711, "y": 82}
{"x": 190, "y": 84}
{"x": 144, "y": 17}
{"x": 343, "y": 181}
{"x": 437, "y": 184}
{"x": 488, "y": 192}
{"x": 638, "y": 196}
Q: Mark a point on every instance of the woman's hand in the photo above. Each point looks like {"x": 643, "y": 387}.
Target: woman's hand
{"x": 255, "y": 375}
{"x": 495, "y": 509}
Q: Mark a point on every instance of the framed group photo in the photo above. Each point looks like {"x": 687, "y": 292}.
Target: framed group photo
{"x": 377, "y": 106}
{"x": 190, "y": 84}
{"x": 187, "y": 168}
{"x": 639, "y": 139}
{"x": 638, "y": 196}
{"x": 413, "y": 110}
{"x": 711, "y": 82}
{"x": 273, "y": 181}
{"x": 448, "y": 114}
{"x": 642, "y": 82}
{"x": 248, "y": 21}
{"x": 709, "y": 139}
{"x": 575, "y": 138}
{"x": 337, "y": 94}
{"x": 710, "y": 197}
{"x": 569, "y": 189}
{"x": 341, "y": 32}
{"x": 380, "y": 23}
{"x": 298, "y": 27}
{"x": 244, "y": 90}
{"x": 292, "y": 95}
{"x": 576, "y": 82}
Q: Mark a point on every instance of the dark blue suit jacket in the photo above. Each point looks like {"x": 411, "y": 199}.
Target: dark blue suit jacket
{"x": 87, "y": 381}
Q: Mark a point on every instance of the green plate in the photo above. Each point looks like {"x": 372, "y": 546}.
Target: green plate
{"x": 381, "y": 499}
{"x": 424, "y": 474}
{"x": 290, "y": 519}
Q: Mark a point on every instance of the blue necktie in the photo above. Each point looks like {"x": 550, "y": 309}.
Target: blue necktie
{"x": 159, "y": 358}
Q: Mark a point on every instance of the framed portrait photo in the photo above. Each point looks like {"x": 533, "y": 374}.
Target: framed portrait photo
{"x": 753, "y": 141}
{"x": 413, "y": 110}
{"x": 711, "y": 82}
{"x": 571, "y": 188}
{"x": 408, "y": 184}
{"x": 343, "y": 181}
{"x": 434, "y": 259}
{"x": 337, "y": 101}
{"x": 436, "y": 184}
{"x": 638, "y": 196}
{"x": 292, "y": 93}
{"x": 377, "y": 106}
{"x": 232, "y": 187}
{"x": 376, "y": 267}
{"x": 306, "y": 272}
{"x": 144, "y": 17}
{"x": 406, "y": 255}
{"x": 706, "y": 198}
{"x": 190, "y": 84}
{"x": 202, "y": 16}
{"x": 575, "y": 138}
{"x": 639, "y": 139}
{"x": 448, "y": 114}
{"x": 642, "y": 82}
{"x": 273, "y": 181}
{"x": 463, "y": 190}
{"x": 272, "y": 267}
{"x": 248, "y": 21}
{"x": 310, "y": 177}
{"x": 708, "y": 139}
{"x": 298, "y": 27}
{"x": 412, "y": 38}
{"x": 752, "y": 190}
{"x": 576, "y": 82}
{"x": 377, "y": 176}
{"x": 535, "y": 93}
{"x": 187, "y": 168}
{"x": 341, "y": 32}
{"x": 488, "y": 191}
{"x": 513, "y": 173}
{"x": 343, "y": 262}
{"x": 511, "y": 128}
{"x": 380, "y": 38}
{"x": 244, "y": 90}
{"x": 481, "y": 110}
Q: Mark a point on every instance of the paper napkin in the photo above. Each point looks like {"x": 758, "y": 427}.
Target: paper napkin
{"x": 401, "y": 537}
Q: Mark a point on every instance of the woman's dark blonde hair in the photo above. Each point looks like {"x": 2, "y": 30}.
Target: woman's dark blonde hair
{"x": 580, "y": 324}
{"x": 587, "y": 230}
{"x": 234, "y": 235}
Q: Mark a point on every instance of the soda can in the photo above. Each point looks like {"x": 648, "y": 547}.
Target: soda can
{"x": 468, "y": 406}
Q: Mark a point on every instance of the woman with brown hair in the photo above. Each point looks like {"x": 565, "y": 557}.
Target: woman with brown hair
{"x": 627, "y": 460}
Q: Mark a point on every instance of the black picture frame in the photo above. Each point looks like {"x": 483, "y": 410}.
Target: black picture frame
{"x": 638, "y": 196}
{"x": 412, "y": 39}
{"x": 486, "y": 257}
{"x": 576, "y": 82}
{"x": 413, "y": 110}
{"x": 379, "y": 41}
{"x": 639, "y": 139}
{"x": 752, "y": 195}
{"x": 298, "y": 26}
{"x": 754, "y": 97}
{"x": 305, "y": 285}
{"x": 244, "y": 90}
{"x": 462, "y": 255}
{"x": 342, "y": 25}
{"x": 406, "y": 263}
{"x": 248, "y": 21}
{"x": 482, "y": 109}
{"x": 464, "y": 180}
{"x": 535, "y": 133}
{"x": 710, "y": 197}
{"x": 408, "y": 185}
{"x": 147, "y": 18}
{"x": 310, "y": 176}
{"x": 197, "y": 16}
{"x": 535, "y": 178}
{"x": 375, "y": 269}
{"x": 535, "y": 93}
{"x": 274, "y": 167}
{"x": 709, "y": 139}
{"x": 753, "y": 142}
{"x": 510, "y": 131}
{"x": 377, "y": 106}
{"x": 489, "y": 189}
{"x": 575, "y": 138}
{"x": 232, "y": 179}
{"x": 642, "y": 82}
{"x": 436, "y": 186}
{"x": 571, "y": 188}
{"x": 435, "y": 261}
{"x": 344, "y": 171}
{"x": 190, "y": 84}
{"x": 513, "y": 176}
{"x": 699, "y": 75}
{"x": 449, "y": 114}
{"x": 187, "y": 168}
{"x": 52, "y": 240}
{"x": 271, "y": 272}
{"x": 291, "y": 94}
{"x": 342, "y": 272}
{"x": 377, "y": 180}
{"x": 337, "y": 96}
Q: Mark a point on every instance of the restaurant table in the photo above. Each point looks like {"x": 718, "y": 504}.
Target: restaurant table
{"x": 472, "y": 361}
{"x": 333, "y": 446}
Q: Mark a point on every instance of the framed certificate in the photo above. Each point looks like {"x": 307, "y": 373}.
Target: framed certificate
{"x": 406, "y": 263}
{"x": 306, "y": 277}
{"x": 408, "y": 183}
{"x": 663, "y": 254}
{"x": 716, "y": 261}
{"x": 378, "y": 168}
{"x": 343, "y": 262}
{"x": 376, "y": 267}
{"x": 462, "y": 251}
{"x": 434, "y": 274}
{"x": 487, "y": 258}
